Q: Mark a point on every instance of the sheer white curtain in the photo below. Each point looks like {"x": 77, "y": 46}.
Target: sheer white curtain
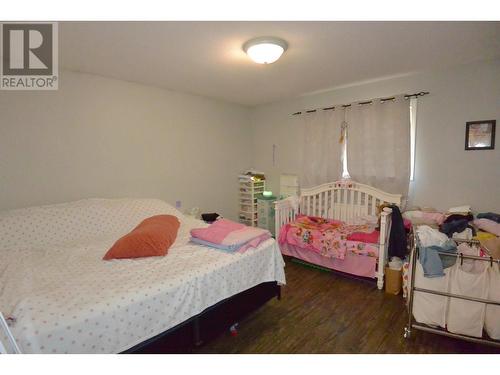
{"x": 320, "y": 149}
{"x": 378, "y": 149}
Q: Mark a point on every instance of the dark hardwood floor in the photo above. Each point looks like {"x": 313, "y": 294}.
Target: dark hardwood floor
{"x": 324, "y": 312}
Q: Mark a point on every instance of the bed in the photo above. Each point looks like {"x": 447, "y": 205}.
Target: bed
{"x": 350, "y": 205}
{"x": 61, "y": 297}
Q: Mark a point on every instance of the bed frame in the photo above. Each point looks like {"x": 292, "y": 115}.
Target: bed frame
{"x": 211, "y": 322}
{"x": 343, "y": 200}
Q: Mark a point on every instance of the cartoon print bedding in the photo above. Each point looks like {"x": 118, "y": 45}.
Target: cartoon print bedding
{"x": 330, "y": 238}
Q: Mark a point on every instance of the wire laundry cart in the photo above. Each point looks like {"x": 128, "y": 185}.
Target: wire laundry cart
{"x": 412, "y": 288}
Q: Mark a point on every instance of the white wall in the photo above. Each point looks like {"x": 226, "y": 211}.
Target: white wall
{"x": 99, "y": 137}
{"x": 446, "y": 174}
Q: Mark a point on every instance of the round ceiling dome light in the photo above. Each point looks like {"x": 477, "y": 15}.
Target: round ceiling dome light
{"x": 265, "y": 50}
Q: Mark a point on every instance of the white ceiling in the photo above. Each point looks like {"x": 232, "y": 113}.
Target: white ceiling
{"x": 205, "y": 58}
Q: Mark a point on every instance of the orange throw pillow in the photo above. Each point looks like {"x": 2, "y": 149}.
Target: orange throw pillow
{"x": 152, "y": 237}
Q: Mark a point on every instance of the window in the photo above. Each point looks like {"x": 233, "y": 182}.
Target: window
{"x": 413, "y": 137}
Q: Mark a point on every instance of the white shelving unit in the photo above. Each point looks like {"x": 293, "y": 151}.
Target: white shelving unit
{"x": 249, "y": 189}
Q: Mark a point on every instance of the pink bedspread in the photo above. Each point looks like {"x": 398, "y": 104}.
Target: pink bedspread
{"x": 326, "y": 237}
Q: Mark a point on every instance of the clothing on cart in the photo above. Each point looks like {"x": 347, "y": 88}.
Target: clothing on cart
{"x": 434, "y": 263}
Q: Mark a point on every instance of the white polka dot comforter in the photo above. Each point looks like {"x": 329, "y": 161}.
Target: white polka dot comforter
{"x": 65, "y": 299}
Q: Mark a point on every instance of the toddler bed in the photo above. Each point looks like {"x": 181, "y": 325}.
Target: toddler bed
{"x": 332, "y": 225}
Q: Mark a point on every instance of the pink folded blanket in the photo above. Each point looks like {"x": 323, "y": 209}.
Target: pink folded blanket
{"x": 371, "y": 237}
{"x": 229, "y": 235}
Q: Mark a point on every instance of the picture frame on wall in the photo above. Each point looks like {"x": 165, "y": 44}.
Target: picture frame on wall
{"x": 480, "y": 135}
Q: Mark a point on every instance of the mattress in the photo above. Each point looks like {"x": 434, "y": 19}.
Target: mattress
{"x": 65, "y": 299}
{"x": 359, "y": 265}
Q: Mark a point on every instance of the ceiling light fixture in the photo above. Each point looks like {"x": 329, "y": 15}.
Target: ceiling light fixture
{"x": 265, "y": 50}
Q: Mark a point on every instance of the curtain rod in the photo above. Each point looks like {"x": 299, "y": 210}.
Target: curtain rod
{"x": 406, "y": 96}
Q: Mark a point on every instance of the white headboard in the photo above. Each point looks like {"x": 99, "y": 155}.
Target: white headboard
{"x": 344, "y": 200}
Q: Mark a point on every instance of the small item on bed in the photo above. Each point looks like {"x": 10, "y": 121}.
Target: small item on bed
{"x": 230, "y": 236}
{"x": 210, "y": 217}
{"x": 152, "y": 237}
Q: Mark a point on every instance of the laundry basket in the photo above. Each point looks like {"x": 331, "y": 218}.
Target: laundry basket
{"x": 428, "y": 308}
{"x": 492, "y": 317}
{"x": 467, "y": 317}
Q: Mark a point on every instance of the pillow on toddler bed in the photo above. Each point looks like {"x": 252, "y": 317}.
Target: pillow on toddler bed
{"x": 152, "y": 237}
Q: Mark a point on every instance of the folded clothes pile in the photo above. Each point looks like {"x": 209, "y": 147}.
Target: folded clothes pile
{"x": 229, "y": 236}
{"x": 457, "y": 221}
{"x": 458, "y": 224}
{"x": 488, "y": 225}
